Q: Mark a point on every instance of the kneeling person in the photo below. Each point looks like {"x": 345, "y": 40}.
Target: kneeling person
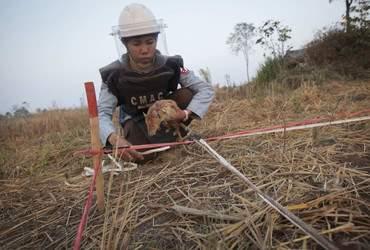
{"x": 141, "y": 77}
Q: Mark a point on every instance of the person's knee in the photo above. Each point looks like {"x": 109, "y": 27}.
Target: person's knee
{"x": 134, "y": 134}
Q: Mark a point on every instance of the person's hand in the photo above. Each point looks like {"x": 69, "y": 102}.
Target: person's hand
{"x": 125, "y": 154}
{"x": 181, "y": 115}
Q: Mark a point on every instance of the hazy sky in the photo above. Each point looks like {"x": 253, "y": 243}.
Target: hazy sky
{"x": 50, "y": 48}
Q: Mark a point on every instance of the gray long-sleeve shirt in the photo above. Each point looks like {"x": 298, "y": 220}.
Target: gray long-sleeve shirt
{"x": 203, "y": 95}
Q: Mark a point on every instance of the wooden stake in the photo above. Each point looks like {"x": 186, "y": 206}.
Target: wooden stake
{"x": 95, "y": 142}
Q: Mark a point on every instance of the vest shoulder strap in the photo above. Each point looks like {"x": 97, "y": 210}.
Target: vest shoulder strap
{"x": 176, "y": 63}
{"x": 109, "y": 75}
{"x": 107, "y": 70}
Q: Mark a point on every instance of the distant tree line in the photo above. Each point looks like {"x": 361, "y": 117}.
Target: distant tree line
{"x": 274, "y": 37}
{"x": 17, "y": 111}
{"x": 22, "y": 110}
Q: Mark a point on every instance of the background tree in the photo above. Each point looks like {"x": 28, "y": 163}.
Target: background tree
{"x": 22, "y": 110}
{"x": 228, "y": 80}
{"x": 206, "y": 75}
{"x": 54, "y": 105}
{"x": 241, "y": 40}
{"x": 26, "y": 105}
{"x": 361, "y": 12}
{"x": 348, "y": 11}
{"x": 274, "y": 37}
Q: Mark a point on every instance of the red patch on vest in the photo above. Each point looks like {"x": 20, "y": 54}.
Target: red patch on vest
{"x": 184, "y": 71}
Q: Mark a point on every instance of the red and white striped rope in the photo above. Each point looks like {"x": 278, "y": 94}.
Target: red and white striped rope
{"x": 310, "y": 123}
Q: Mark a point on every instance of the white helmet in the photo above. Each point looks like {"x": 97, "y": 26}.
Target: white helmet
{"x": 136, "y": 20}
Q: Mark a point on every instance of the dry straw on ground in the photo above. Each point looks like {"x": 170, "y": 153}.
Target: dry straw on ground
{"x": 184, "y": 199}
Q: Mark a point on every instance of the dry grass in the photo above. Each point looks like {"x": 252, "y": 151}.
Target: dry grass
{"x": 186, "y": 200}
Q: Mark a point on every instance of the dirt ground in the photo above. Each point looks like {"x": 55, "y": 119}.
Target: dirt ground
{"x": 184, "y": 199}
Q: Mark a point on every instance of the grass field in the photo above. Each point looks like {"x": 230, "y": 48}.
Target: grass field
{"x": 184, "y": 199}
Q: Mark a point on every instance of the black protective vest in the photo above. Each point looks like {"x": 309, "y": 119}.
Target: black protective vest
{"x": 137, "y": 91}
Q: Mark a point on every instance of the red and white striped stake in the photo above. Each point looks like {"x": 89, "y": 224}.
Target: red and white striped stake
{"x": 95, "y": 141}
{"x": 97, "y": 159}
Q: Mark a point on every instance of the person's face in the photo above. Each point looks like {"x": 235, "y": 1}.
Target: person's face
{"x": 142, "y": 49}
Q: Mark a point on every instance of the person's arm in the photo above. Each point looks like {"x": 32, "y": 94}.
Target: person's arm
{"x": 203, "y": 93}
{"x": 106, "y": 106}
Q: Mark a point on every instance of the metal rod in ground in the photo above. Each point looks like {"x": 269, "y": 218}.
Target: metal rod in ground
{"x": 325, "y": 243}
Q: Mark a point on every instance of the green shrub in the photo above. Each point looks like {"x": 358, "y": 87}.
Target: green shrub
{"x": 346, "y": 53}
{"x": 268, "y": 71}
